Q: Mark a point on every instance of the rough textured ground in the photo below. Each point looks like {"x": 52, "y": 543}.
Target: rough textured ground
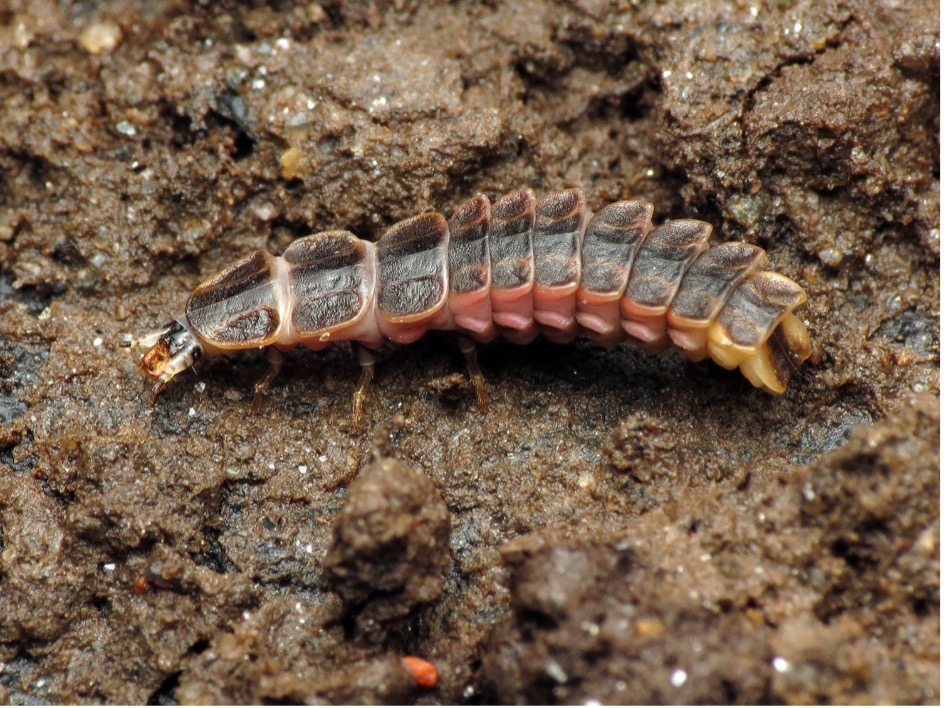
{"x": 617, "y": 527}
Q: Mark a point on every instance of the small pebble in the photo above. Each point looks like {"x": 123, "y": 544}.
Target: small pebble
{"x": 264, "y": 211}
{"x": 100, "y": 37}
{"x": 125, "y": 128}
{"x": 424, "y": 673}
{"x": 290, "y": 163}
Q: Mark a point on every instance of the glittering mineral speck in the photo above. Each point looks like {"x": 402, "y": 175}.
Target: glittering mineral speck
{"x": 125, "y": 128}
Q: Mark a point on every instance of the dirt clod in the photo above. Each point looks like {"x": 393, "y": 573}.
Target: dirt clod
{"x": 613, "y": 619}
{"x": 390, "y": 547}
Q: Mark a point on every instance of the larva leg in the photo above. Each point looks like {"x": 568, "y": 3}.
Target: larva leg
{"x": 275, "y": 358}
{"x": 366, "y": 358}
{"x": 467, "y": 347}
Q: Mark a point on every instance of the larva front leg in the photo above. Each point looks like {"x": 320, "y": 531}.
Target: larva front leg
{"x": 275, "y": 358}
{"x": 366, "y": 359}
{"x": 332, "y": 283}
{"x": 468, "y": 349}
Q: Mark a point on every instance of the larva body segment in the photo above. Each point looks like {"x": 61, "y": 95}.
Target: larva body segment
{"x": 611, "y": 240}
{"x": 657, "y": 273}
{"x": 242, "y": 307}
{"x": 331, "y": 277}
{"x": 413, "y": 277}
{"x": 516, "y": 268}
{"x": 560, "y": 220}
{"x": 512, "y": 258}
{"x": 470, "y": 268}
{"x": 739, "y": 335}
{"x": 704, "y": 289}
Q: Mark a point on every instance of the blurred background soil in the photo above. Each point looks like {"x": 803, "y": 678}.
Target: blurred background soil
{"x": 617, "y": 528}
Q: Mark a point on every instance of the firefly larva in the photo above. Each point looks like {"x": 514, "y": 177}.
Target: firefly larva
{"x": 516, "y": 268}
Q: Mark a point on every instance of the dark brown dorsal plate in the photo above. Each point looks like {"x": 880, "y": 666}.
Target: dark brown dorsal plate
{"x": 757, "y": 305}
{"x": 710, "y": 280}
{"x": 510, "y": 240}
{"x": 330, "y": 281}
{"x": 469, "y": 264}
{"x": 610, "y": 243}
{"x": 558, "y": 229}
{"x": 662, "y": 261}
{"x": 412, "y": 269}
{"x": 238, "y": 308}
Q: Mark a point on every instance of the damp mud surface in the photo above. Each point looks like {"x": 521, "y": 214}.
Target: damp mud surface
{"x": 617, "y": 527}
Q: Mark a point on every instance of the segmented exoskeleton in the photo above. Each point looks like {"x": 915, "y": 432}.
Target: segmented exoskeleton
{"x": 516, "y": 268}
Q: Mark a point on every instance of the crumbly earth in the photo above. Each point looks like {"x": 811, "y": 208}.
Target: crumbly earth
{"x": 617, "y": 527}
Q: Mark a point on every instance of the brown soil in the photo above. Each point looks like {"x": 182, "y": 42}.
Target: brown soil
{"x": 618, "y": 527}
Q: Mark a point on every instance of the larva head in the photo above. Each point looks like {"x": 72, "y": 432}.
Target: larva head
{"x": 169, "y": 351}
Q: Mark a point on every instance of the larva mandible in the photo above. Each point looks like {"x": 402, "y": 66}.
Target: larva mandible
{"x": 516, "y": 268}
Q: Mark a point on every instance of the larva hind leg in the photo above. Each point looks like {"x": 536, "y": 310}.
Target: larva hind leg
{"x": 467, "y": 347}
{"x": 275, "y": 359}
{"x": 366, "y": 358}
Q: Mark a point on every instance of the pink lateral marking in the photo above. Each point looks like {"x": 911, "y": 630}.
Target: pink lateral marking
{"x": 650, "y": 330}
{"x": 555, "y": 307}
{"x": 366, "y": 331}
{"x": 646, "y": 324}
{"x": 478, "y": 327}
{"x": 557, "y": 320}
{"x": 599, "y": 313}
{"x": 688, "y": 340}
{"x": 693, "y": 343}
{"x": 473, "y": 313}
{"x": 512, "y": 320}
{"x": 406, "y": 334}
{"x": 513, "y": 312}
{"x": 409, "y": 332}
{"x": 598, "y": 323}
{"x": 513, "y": 308}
